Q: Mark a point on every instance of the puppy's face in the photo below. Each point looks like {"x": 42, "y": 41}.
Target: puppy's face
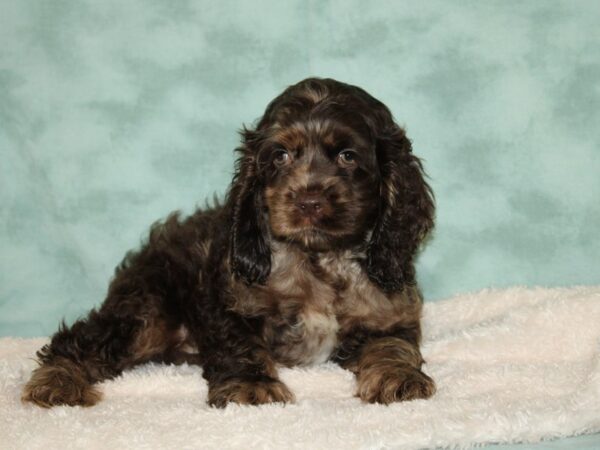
{"x": 326, "y": 167}
{"x": 322, "y": 181}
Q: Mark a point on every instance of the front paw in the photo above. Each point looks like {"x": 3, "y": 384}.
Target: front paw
{"x": 249, "y": 392}
{"x": 393, "y": 384}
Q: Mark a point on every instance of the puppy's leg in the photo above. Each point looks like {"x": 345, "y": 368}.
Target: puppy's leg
{"x": 388, "y": 369}
{"x": 91, "y": 350}
{"x": 247, "y": 388}
{"x": 236, "y": 363}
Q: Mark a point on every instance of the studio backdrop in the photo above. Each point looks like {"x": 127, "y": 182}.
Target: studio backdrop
{"x": 115, "y": 113}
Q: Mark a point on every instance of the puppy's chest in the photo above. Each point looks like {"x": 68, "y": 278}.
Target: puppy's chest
{"x": 315, "y": 303}
{"x": 307, "y": 337}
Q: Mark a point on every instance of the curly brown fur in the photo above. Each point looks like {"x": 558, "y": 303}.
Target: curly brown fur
{"x": 250, "y": 392}
{"x": 388, "y": 370}
{"x": 310, "y": 258}
{"x": 62, "y": 383}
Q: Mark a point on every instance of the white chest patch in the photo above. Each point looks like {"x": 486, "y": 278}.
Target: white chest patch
{"x": 320, "y": 336}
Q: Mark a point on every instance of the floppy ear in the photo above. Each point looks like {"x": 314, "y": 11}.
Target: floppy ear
{"x": 406, "y": 213}
{"x": 250, "y": 251}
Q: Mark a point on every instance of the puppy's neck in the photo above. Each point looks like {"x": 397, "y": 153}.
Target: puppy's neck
{"x": 282, "y": 249}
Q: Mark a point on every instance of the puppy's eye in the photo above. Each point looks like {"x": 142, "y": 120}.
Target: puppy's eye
{"x": 347, "y": 158}
{"x": 281, "y": 158}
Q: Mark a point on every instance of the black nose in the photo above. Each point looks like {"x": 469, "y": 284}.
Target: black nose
{"x": 310, "y": 205}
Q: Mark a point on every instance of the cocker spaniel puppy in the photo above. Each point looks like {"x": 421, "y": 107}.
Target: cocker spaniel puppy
{"x": 309, "y": 259}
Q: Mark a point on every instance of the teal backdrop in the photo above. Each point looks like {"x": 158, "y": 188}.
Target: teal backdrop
{"x": 114, "y": 113}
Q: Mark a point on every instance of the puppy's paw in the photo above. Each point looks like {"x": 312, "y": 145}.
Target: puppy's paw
{"x": 394, "y": 384}
{"x": 63, "y": 383}
{"x": 249, "y": 392}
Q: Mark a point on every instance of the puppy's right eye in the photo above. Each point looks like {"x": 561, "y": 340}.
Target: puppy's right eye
{"x": 281, "y": 158}
{"x": 347, "y": 158}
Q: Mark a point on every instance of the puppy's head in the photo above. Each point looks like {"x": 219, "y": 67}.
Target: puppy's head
{"x": 327, "y": 168}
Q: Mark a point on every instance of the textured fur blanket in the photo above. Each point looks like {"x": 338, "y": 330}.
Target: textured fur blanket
{"x": 516, "y": 365}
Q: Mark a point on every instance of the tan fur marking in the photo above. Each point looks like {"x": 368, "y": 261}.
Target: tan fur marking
{"x": 292, "y": 138}
{"x": 280, "y": 206}
{"x": 150, "y": 341}
{"x": 315, "y": 95}
{"x": 320, "y": 331}
{"x": 62, "y": 383}
{"x": 249, "y": 393}
{"x": 183, "y": 341}
{"x": 389, "y": 371}
{"x": 388, "y": 384}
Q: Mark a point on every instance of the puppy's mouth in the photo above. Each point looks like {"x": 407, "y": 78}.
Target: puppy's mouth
{"x": 311, "y": 238}
{"x": 318, "y": 225}
{"x": 312, "y": 235}
{"x": 311, "y": 223}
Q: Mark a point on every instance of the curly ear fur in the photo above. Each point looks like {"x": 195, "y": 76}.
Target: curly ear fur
{"x": 406, "y": 214}
{"x": 250, "y": 251}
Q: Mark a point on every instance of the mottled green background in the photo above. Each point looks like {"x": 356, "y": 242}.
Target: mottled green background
{"x": 114, "y": 113}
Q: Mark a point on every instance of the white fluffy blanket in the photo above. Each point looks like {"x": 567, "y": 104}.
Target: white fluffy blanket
{"x": 516, "y": 365}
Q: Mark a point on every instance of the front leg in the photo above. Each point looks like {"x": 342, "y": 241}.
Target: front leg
{"x": 238, "y": 366}
{"x": 246, "y": 389}
{"x": 387, "y": 367}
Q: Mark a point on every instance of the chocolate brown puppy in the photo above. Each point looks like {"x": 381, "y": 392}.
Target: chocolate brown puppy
{"x": 308, "y": 259}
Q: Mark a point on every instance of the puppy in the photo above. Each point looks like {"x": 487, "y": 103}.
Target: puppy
{"x": 309, "y": 259}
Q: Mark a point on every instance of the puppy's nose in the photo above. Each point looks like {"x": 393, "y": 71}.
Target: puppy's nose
{"x": 310, "y": 205}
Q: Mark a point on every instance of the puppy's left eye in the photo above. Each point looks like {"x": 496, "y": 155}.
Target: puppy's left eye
{"x": 346, "y": 158}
